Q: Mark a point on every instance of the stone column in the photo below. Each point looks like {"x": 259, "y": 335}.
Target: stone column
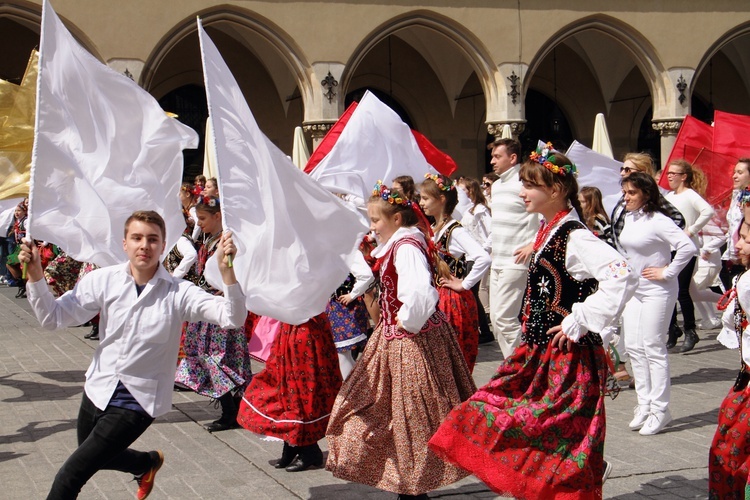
{"x": 317, "y": 131}
{"x": 668, "y": 130}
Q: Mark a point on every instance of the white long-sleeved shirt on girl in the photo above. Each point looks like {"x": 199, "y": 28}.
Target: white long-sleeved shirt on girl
{"x": 461, "y": 243}
{"x": 696, "y": 211}
{"x": 647, "y": 240}
{"x": 479, "y": 225}
{"x": 586, "y": 256}
{"x": 415, "y": 291}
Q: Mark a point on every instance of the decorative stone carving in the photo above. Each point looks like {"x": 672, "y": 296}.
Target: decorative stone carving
{"x": 514, "y": 80}
{"x": 329, "y": 83}
{"x": 667, "y": 127}
{"x": 317, "y": 130}
{"x": 516, "y": 128}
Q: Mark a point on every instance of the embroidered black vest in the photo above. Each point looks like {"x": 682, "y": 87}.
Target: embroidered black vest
{"x": 458, "y": 267}
{"x": 551, "y": 291}
{"x": 740, "y": 323}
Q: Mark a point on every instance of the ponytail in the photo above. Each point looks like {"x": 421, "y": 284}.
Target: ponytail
{"x": 573, "y": 199}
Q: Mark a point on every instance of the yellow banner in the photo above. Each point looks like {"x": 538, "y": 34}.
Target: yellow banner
{"x": 17, "y": 110}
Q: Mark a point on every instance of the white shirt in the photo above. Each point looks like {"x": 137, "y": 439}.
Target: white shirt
{"x": 647, "y": 241}
{"x": 512, "y": 226}
{"x": 189, "y": 256}
{"x": 361, "y": 272}
{"x": 479, "y": 225}
{"x": 734, "y": 219}
{"x": 462, "y": 243}
{"x": 696, "y": 211}
{"x": 140, "y": 334}
{"x": 728, "y": 336}
{"x": 586, "y": 256}
{"x": 415, "y": 291}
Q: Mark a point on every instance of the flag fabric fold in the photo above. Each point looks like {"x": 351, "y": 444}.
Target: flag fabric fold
{"x": 374, "y": 145}
{"x": 103, "y": 149}
{"x": 293, "y": 237}
{"x": 598, "y": 170}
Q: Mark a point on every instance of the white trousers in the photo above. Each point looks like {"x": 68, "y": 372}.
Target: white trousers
{"x": 646, "y": 323}
{"x": 507, "y": 287}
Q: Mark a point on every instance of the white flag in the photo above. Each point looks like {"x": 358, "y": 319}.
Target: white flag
{"x": 292, "y": 235}
{"x": 597, "y": 170}
{"x": 103, "y": 149}
{"x": 375, "y": 145}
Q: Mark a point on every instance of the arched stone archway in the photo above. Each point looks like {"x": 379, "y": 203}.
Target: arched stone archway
{"x": 270, "y": 69}
{"x": 438, "y": 72}
{"x": 722, "y": 78}
{"x": 601, "y": 65}
{"x": 20, "y": 26}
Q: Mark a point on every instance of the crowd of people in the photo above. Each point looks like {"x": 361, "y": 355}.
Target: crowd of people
{"x": 525, "y": 257}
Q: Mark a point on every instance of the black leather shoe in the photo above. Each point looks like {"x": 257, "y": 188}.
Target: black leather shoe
{"x": 287, "y": 456}
{"x": 691, "y": 338}
{"x": 309, "y": 457}
{"x": 93, "y": 334}
{"x": 221, "y": 425}
{"x": 674, "y": 334}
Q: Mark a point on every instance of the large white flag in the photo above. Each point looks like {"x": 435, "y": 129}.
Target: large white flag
{"x": 598, "y": 170}
{"x": 375, "y": 145}
{"x": 103, "y": 148}
{"x": 292, "y": 236}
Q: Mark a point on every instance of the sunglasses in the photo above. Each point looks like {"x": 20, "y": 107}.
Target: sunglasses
{"x": 486, "y": 184}
{"x": 627, "y": 170}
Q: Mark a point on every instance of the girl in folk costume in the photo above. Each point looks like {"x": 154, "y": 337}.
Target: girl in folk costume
{"x": 536, "y": 430}
{"x": 729, "y": 455}
{"x": 347, "y": 312}
{"x": 411, "y": 372}
{"x": 457, "y": 248}
{"x": 216, "y": 360}
{"x": 181, "y": 258}
{"x": 16, "y": 232}
{"x": 292, "y": 397}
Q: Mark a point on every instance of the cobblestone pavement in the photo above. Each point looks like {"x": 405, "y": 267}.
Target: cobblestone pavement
{"x": 41, "y": 380}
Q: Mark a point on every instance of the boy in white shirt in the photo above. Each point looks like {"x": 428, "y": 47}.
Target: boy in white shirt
{"x": 130, "y": 379}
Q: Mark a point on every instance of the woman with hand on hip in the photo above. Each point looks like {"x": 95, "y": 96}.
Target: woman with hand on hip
{"x": 647, "y": 238}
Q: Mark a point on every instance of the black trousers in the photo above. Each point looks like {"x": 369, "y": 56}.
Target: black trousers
{"x": 103, "y": 441}
{"x": 683, "y": 297}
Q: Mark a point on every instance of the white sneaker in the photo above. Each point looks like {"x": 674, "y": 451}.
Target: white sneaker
{"x": 656, "y": 422}
{"x": 641, "y": 414}
{"x": 711, "y": 323}
{"x": 607, "y": 471}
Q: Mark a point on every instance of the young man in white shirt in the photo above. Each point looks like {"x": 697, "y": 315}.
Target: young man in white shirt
{"x": 130, "y": 379}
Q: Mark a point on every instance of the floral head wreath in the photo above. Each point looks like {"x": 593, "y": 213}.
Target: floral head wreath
{"x": 209, "y": 201}
{"x": 392, "y": 197}
{"x": 545, "y": 155}
{"x": 444, "y": 184}
{"x": 743, "y": 199}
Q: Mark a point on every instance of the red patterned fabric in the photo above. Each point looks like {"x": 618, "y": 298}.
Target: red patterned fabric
{"x": 536, "y": 430}
{"x": 729, "y": 456}
{"x": 292, "y": 398}
{"x": 460, "y": 309}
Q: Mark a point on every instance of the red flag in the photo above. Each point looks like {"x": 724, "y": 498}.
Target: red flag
{"x": 694, "y": 136}
{"x": 731, "y": 134}
{"x": 439, "y": 160}
{"x": 330, "y": 139}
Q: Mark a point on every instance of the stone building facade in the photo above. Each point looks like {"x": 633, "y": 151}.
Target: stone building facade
{"x": 455, "y": 70}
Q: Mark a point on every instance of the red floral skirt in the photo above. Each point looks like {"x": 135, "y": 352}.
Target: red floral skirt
{"x": 292, "y": 397}
{"x": 460, "y": 309}
{"x": 536, "y": 430}
{"x": 729, "y": 456}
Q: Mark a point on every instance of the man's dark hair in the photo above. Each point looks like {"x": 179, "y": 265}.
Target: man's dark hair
{"x": 512, "y": 146}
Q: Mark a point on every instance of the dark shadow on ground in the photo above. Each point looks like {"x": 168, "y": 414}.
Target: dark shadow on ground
{"x": 490, "y": 352}
{"x": 38, "y": 391}
{"x": 702, "y": 375}
{"x": 73, "y": 376}
{"x": 34, "y": 431}
{"x": 671, "y": 486}
{"x": 10, "y": 455}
